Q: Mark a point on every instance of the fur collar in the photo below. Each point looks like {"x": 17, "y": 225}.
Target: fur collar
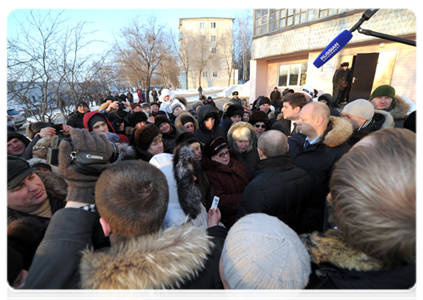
{"x": 162, "y": 260}
{"x": 399, "y": 108}
{"x": 389, "y": 120}
{"x": 253, "y": 136}
{"x": 331, "y": 247}
{"x": 184, "y": 169}
{"x": 340, "y": 132}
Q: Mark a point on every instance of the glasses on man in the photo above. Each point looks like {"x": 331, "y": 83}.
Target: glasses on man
{"x": 260, "y": 125}
{"x": 223, "y": 154}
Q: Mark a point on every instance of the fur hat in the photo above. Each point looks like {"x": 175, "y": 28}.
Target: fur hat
{"x": 159, "y": 119}
{"x": 262, "y": 252}
{"x": 259, "y": 116}
{"x": 41, "y": 147}
{"x": 214, "y": 146}
{"x": 196, "y": 104}
{"x": 234, "y": 109}
{"x": 145, "y": 135}
{"x": 187, "y": 137}
{"x": 176, "y": 104}
{"x": 145, "y": 105}
{"x": 137, "y": 117}
{"x": 360, "y": 108}
{"x": 383, "y": 90}
{"x": 113, "y": 137}
{"x": 13, "y": 134}
{"x": 33, "y": 128}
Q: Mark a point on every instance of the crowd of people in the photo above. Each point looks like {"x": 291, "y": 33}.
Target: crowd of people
{"x": 310, "y": 196}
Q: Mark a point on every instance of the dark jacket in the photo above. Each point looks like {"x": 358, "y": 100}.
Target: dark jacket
{"x": 204, "y": 134}
{"x": 279, "y": 189}
{"x": 76, "y": 120}
{"x": 169, "y": 139}
{"x": 337, "y": 266}
{"x": 318, "y": 161}
{"x": 229, "y": 182}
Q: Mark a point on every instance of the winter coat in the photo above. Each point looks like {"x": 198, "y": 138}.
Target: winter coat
{"x": 249, "y": 157}
{"x": 189, "y": 204}
{"x": 229, "y": 182}
{"x": 178, "y": 123}
{"x": 202, "y": 133}
{"x": 169, "y": 139}
{"x": 318, "y": 161}
{"x": 381, "y": 119}
{"x": 76, "y": 120}
{"x": 279, "y": 189}
{"x": 399, "y": 111}
{"x": 177, "y": 257}
{"x": 275, "y": 98}
{"x": 335, "y": 265}
{"x": 56, "y": 188}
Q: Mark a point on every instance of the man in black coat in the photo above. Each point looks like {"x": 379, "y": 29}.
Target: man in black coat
{"x": 76, "y": 119}
{"x": 277, "y": 187}
{"x": 209, "y": 124}
{"x": 320, "y": 143}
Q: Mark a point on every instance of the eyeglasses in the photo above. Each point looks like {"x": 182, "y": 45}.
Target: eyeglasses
{"x": 223, "y": 154}
{"x": 260, "y": 126}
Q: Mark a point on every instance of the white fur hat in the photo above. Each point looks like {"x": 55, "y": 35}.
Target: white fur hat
{"x": 360, "y": 108}
{"x": 262, "y": 252}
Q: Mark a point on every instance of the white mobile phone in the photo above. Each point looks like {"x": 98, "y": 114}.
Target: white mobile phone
{"x": 215, "y": 202}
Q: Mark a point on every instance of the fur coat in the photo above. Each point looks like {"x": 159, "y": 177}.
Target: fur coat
{"x": 318, "y": 161}
{"x": 399, "y": 110}
{"x": 337, "y": 265}
{"x": 166, "y": 259}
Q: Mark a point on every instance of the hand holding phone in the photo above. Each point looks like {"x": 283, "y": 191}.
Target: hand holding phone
{"x": 215, "y": 202}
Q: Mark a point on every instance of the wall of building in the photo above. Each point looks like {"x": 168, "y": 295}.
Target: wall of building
{"x": 218, "y": 63}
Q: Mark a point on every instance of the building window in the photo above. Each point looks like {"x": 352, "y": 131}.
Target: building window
{"x": 214, "y": 74}
{"x": 204, "y": 74}
{"x": 213, "y": 38}
{"x": 201, "y": 25}
{"x": 268, "y": 20}
{"x": 213, "y": 50}
{"x": 292, "y": 75}
{"x": 212, "y": 25}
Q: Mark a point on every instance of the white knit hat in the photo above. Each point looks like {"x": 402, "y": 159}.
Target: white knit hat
{"x": 360, "y": 108}
{"x": 262, "y": 252}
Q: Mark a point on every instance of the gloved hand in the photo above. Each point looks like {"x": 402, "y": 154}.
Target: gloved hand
{"x": 81, "y": 184}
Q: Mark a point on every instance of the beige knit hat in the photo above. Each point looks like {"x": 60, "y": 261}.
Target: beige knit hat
{"x": 360, "y": 108}
{"x": 262, "y": 252}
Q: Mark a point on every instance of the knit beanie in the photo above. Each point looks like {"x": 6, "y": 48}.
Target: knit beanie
{"x": 94, "y": 119}
{"x": 234, "y": 109}
{"x": 17, "y": 170}
{"x": 14, "y": 264}
{"x": 360, "y": 108}
{"x": 33, "y": 128}
{"x": 383, "y": 90}
{"x": 265, "y": 100}
{"x": 262, "y": 252}
{"x": 145, "y": 135}
{"x": 159, "y": 119}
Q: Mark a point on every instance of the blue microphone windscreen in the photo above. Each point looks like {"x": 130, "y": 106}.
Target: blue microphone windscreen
{"x": 333, "y": 48}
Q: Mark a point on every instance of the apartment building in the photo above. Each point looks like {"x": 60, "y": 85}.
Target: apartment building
{"x": 206, "y": 52}
{"x": 287, "y": 41}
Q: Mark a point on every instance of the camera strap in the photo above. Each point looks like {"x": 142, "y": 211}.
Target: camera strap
{"x": 84, "y": 160}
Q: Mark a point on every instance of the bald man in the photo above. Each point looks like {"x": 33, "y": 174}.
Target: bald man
{"x": 277, "y": 187}
{"x": 320, "y": 143}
